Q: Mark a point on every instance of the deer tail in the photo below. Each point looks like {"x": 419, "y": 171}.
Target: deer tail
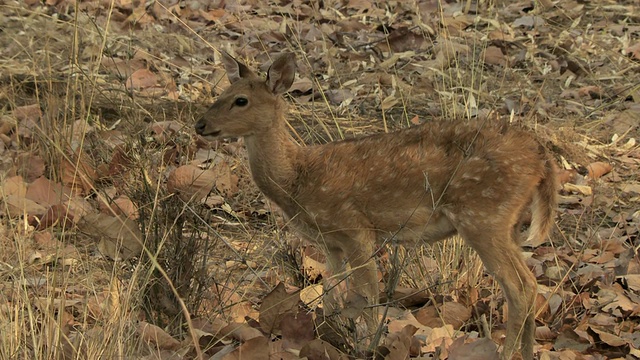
{"x": 543, "y": 206}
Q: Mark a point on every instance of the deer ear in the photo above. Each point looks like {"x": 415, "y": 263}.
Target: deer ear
{"x": 281, "y": 74}
{"x": 235, "y": 69}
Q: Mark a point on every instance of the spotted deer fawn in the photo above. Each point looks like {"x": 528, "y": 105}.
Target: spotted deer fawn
{"x": 421, "y": 184}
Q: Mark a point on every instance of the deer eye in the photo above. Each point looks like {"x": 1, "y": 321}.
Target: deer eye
{"x": 241, "y": 101}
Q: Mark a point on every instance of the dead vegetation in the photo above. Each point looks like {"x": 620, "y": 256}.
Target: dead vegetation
{"x": 118, "y": 221}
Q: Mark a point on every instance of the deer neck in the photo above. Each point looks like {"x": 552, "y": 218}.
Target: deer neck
{"x": 272, "y": 158}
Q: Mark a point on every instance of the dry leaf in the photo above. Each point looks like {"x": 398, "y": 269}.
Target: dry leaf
{"x": 447, "y": 52}
{"x": 633, "y": 51}
{"x": 66, "y": 256}
{"x": 56, "y": 215}
{"x": 46, "y": 240}
{"x": 29, "y": 165}
{"x": 28, "y": 112}
{"x": 598, "y": 169}
{"x": 633, "y": 281}
{"x": 115, "y": 168}
{"x": 190, "y": 182}
{"x": 407, "y": 318}
{"x": 226, "y": 182}
{"x": 17, "y": 206}
{"x": 240, "y": 331}
{"x": 429, "y": 316}
{"x": 152, "y": 334}
{"x": 354, "y": 305}
{"x": 122, "y": 68}
{"x": 302, "y": 85}
{"x": 608, "y": 338}
{"x": 493, "y": 55}
{"x": 47, "y": 193}
{"x": 253, "y": 349}
{"x": 409, "y": 297}
{"x": 7, "y": 124}
{"x": 454, "y": 313}
{"x": 480, "y": 349}
{"x": 78, "y": 207}
{"x": 339, "y": 96}
{"x": 78, "y": 175}
{"x": 141, "y": 79}
{"x": 212, "y": 14}
{"x": 457, "y": 24}
{"x": 529, "y": 21}
{"x": 593, "y": 92}
{"x": 165, "y": 131}
{"x": 297, "y": 329}
{"x": 545, "y": 333}
{"x": 312, "y": 268}
{"x": 274, "y": 306}
{"x": 319, "y": 349}
{"x": 241, "y": 311}
{"x": 311, "y": 295}
{"x": 582, "y": 189}
{"x": 214, "y": 201}
{"x": 542, "y": 305}
{"x": 397, "y": 344}
{"x": 402, "y": 40}
{"x": 389, "y": 102}
{"x": 15, "y": 186}
{"x": 566, "y": 176}
{"x": 121, "y": 206}
{"x": 500, "y": 35}
{"x": 439, "y": 339}
{"x": 118, "y": 238}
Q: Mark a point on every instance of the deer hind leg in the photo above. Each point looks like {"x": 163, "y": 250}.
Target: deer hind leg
{"x": 503, "y": 259}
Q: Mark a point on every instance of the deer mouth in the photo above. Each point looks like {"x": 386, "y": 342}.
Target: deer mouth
{"x": 201, "y": 129}
{"x": 211, "y": 134}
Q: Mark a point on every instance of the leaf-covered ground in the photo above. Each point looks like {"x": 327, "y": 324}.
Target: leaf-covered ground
{"x": 117, "y": 221}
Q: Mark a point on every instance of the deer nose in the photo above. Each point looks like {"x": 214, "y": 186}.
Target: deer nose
{"x": 200, "y": 125}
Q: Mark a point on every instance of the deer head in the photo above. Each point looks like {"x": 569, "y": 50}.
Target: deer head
{"x": 250, "y": 105}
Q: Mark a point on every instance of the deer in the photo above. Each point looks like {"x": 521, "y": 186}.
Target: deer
{"x": 421, "y": 184}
